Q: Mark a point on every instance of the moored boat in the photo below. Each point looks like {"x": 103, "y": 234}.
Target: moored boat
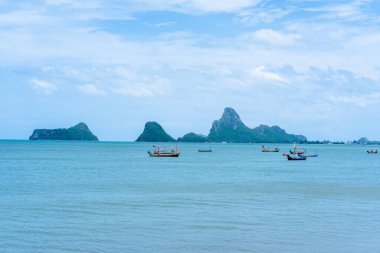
{"x": 163, "y": 152}
{"x": 269, "y": 149}
{"x": 205, "y": 150}
{"x": 297, "y": 151}
{"x": 295, "y": 157}
{"x": 372, "y": 151}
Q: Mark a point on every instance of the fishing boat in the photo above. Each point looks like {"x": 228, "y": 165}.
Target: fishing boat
{"x": 295, "y": 157}
{"x": 163, "y": 152}
{"x": 269, "y": 149}
{"x": 205, "y": 150}
{"x": 372, "y": 151}
{"x": 297, "y": 151}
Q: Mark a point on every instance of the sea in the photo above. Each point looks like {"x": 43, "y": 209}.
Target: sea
{"x": 111, "y": 197}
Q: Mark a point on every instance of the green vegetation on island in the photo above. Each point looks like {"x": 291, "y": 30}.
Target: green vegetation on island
{"x": 230, "y": 128}
{"x": 193, "y": 137}
{"x": 153, "y": 132}
{"x": 80, "y": 132}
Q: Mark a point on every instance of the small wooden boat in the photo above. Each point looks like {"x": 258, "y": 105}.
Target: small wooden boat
{"x": 268, "y": 149}
{"x": 295, "y": 157}
{"x": 174, "y": 154}
{"x": 372, "y": 151}
{"x": 162, "y": 152}
{"x": 297, "y": 151}
{"x": 205, "y": 150}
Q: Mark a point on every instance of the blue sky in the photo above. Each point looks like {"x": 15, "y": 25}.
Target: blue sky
{"x": 311, "y": 67}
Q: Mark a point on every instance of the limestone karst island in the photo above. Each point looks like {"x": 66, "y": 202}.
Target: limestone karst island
{"x": 79, "y": 132}
{"x": 229, "y": 128}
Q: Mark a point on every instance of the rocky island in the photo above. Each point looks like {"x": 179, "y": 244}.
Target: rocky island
{"x": 153, "y": 132}
{"x": 229, "y": 128}
{"x": 79, "y": 132}
{"x": 193, "y": 137}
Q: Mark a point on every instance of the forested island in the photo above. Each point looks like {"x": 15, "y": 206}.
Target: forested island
{"x": 79, "y": 132}
{"x": 229, "y": 128}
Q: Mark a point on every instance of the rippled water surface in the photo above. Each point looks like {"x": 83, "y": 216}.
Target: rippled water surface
{"x": 112, "y": 197}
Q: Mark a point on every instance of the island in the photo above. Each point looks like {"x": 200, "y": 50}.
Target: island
{"x": 365, "y": 141}
{"x": 230, "y": 128}
{"x": 153, "y": 132}
{"x": 79, "y": 132}
{"x": 193, "y": 137}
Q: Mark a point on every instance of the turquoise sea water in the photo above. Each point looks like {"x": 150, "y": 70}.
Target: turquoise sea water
{"x": 112, "y": 197}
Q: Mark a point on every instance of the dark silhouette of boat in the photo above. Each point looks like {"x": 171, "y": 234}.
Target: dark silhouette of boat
{"x": 295, "y": 157}
{"x": 205, "y": 150}
{"x": 372, "y": 151}
{"x": 163, "y": 152}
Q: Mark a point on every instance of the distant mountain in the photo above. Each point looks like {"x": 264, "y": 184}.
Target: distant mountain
{"x": 230, "y": 128}
{"x": 80, "y": 132}
{"x": 264, "y": 133}
{"x": 192, "y": 137}
{"x": 365, "y": 141}
{"x": 153, "y": 132}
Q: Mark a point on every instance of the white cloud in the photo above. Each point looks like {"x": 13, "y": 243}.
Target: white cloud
{"x": 264, "y": 73}
{"x": 23, "y": 18}
{"x": 222, "y": 5}
{"x": 45, "y": 87}
{"x": 163, "y": 24}
{"x": 92, "y": 90}
{"x": 196, "y": 6}
{"x": 274, "y": 37}
{"x": 141, "y": 86}
{"x": 80, "y": 4}
{"x": 362, "y": 100}
{"x": 351, "y": 11}
{"x": 259, "y": 16}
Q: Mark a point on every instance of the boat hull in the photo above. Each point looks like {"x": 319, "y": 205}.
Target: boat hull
{"x": 204, "y": 150}
{"x": 164, "y": 155}
{"x": 295, "y": 158}
{"x": 176, "y": 154}
{"x": 266, "y": 149}
{"x": 312, "y": 155}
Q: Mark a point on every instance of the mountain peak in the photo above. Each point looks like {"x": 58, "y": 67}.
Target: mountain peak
{"x": 81, "y": 125}
{"x": 229, "y": 127}
{"x": 230, "y": 118}
{"x": 153, "y": 132}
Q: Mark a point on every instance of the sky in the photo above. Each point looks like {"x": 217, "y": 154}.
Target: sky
{"x": 310, "y": 67}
